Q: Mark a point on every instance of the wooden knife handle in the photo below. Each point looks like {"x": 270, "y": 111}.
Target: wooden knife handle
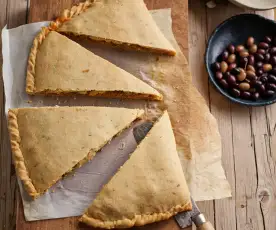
{"x": 206, "y": 226}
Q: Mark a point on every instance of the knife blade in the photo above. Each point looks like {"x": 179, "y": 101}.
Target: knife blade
{"x": 141, "y": 131}
{"x": 185, "y": 219}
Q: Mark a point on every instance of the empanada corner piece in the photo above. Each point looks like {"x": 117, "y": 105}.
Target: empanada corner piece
{"x": 149, "y": 187}
{"x": 49, "y": 142}
{"x": 123, "y": 23}
{"x": 60, "y": 66}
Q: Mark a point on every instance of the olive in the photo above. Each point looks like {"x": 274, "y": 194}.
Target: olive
{"x": 232, "y": 66}
{"x": 259, "y": 64}
{"x": 251, "y": 60}
{"x": 267, "y": 67}
{"x": 259, "y": 57}
{"x": 271, "y": 86}
{"x": 242, "y": 75}
{"x": 245, "y": 95}
{"x": 227, "y": 74}
{"x": 271, "y": 78}
{"x": 244, "y": 54}
{"x": 263, "y": 78}
{"x": 261, "y": 88}
{"x": 273, "y": 60}
{"x": 247, "y": 80}
{"x": 252, "y": 90}
{"x": 239, "y": 48}
{"x": 235, "y": 92}
{"x": 269, "y": 93}
{"x": 256, "y": 83}
{"x": 251, "y": 75}
{"x": 244, "y": 86}
{"x": 235, "y": 71}
{"x": 273, "y": 70}
{"x": 261, "y": 51}
{"x": 250, "y": 67}
{"x": 224, "y": 55}
{"x": 267, "y": 39}
{"x": 253, "y": 49}
{"x": 259, "y": 72}
{"x": 231, "y": 58}
{"x": 223, "y": 66}
{"x": 216, "y": 66}
{"x": 255, "y": 96}
{"x": 224, "y": 83}
{"x": 250, "y": 41}
{"x": 231, "y": 80}
{"x": 272, "y": 50}
{"x": 231, "y": 48}
{"x": 263, "y": 45}
{"x": 267, "y": 57}
{"x": 219, "y": 75}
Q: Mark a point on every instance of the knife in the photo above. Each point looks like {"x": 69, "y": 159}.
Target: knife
{"x": 183, "y": 219}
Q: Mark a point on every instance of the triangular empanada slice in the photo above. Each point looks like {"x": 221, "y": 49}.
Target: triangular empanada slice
{"x": 49, "y": 142}
{"x": 58, "y": 65}
{"x": 124, "y": 23}
{"x": 149, "y": 187}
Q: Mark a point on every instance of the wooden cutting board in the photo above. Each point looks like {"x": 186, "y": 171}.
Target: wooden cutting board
{"x": 41, "y": 10}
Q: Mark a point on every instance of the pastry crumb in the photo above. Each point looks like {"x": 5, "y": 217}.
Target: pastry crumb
{"x": 85, "y": 71}
{"x": 122, "y": 145}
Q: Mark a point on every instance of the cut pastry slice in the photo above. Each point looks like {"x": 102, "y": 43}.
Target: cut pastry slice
{"x": 124, "y": 23}
{"x": 149, "y": 187}
{"x": 57, "y": 65}
{"x": 49, "y": 142}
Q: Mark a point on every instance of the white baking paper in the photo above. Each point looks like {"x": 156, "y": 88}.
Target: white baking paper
{"x": 70, "y": 196}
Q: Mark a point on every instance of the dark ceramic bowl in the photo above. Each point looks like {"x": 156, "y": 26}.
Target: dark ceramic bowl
{"x": 236, "y": 30}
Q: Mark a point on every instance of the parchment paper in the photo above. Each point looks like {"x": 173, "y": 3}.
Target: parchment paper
{"x": 195, "y": 129}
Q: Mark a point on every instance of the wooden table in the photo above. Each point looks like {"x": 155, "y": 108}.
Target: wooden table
{"x": 248, "y": 134}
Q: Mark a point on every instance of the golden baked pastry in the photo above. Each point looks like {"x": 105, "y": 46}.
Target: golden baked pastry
{"x": 58, "y": 65}
{"x": 149, "y": 187}
{"x": 49, "y": 142}
{"x": 123, "y": 23}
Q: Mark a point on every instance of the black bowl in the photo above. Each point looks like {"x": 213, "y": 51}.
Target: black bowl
{"x": 236, "y": 30}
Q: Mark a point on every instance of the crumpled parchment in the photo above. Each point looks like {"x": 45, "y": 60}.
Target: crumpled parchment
{"x": 196, "y": 131}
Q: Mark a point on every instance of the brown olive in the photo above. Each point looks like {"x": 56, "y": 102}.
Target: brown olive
{"x": 250, "y": 75}
{"x": 235, "y": 92}
{"x": 271, "y": 86}
{"x": 267, "y": 67}
{"x": 273, "y": 50}
{"x": 267, "y": 57}
{"x": 231, "y": 58}
{"x": 231, "y": 48}
{"x": 231, "y": 80}
{"x": 223, "y": 66}
{"x": 259, "y": 57}
{"x": 267, "y": 39}
{"x": 255, "y": 96}
{"x": 253, "y": 49}
{"x": 259, "y": 72}
{"x": 224, "y": 83}
{"x": 239, "y": 48}
{"x": 271, "y": 78}
{"x": 263, "y": 45}
{"x": 259, "y": 64}
{"x": 251, "y": 60}
{"x": 232, "y": 66}
{"x": 245, "y": 95}
{"x": 250, "y": 67}
{"x": 269, "y": 93}
{"x": 261, "y": 51}
{"x": 224, "y": 55}
{"x": 242, "y": 75}
{"x": 219, "y": 75}
{"x": 244, "y": 86}
{"x": 244, "y": 54}
{"x": 250, "y": 41}
{"x": 273, "y": 60}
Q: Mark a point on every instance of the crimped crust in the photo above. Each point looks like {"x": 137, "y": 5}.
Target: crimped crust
{"x": 18, "y": 158}
{"x": 67, "y": 14}
{"x": 137, "y": 220}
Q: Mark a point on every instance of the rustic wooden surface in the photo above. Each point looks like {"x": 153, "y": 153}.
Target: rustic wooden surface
{"x": 248, "y": 134}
